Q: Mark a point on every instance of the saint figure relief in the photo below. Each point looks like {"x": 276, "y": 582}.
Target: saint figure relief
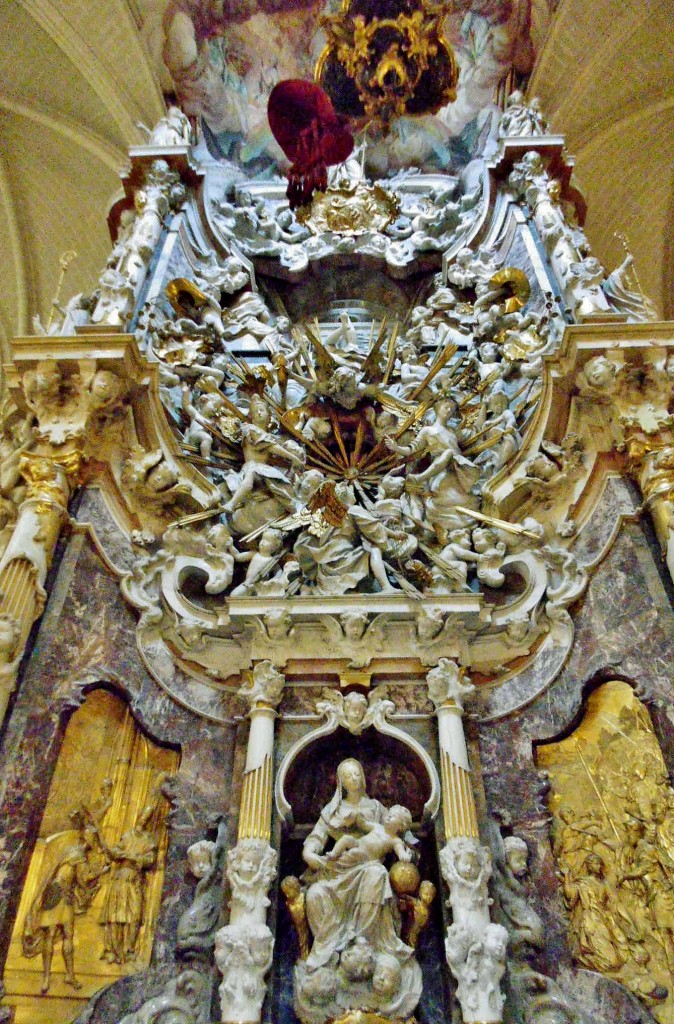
{"x": 123, "y": 910}
{"x": 66, "y": 891}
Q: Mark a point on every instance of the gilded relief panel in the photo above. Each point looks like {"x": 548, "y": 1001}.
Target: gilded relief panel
{"x": 613, "y": 840}
{"x": 92, "y": 893}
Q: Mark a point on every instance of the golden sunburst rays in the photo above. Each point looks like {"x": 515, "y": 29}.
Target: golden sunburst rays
{"x": 348, "y": 449}
{"x": 343, "y": 439}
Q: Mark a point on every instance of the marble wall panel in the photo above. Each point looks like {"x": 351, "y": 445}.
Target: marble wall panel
{"x": 624, "y": 628}
{"x": 87, "y": 638}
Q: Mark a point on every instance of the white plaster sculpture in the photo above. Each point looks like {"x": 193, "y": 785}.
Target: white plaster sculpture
{"x": 623, "y": 290}
{"x": 243, "y": 954}
{"x": 564, "y": 242}
{"x": 357, "y": 958}
{"x": 173, "y": 129}
{"x": 520, "y": 118}
{"x": 243, "y": 948}
{"x": 251, "y": 868}
{"x": 119, "y": 285}
{"x": 258, "y": 446}
{"x": 354, "y": 711}
{"x": 447, "y": 682}
{"x": 475, "y": 947}
{"x": 265, "y": 685}
{"x": 433, "y": 218}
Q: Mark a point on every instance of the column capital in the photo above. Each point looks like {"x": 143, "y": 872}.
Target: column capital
{"x": 263, "y": 688}
{"x": 448, "y": 685}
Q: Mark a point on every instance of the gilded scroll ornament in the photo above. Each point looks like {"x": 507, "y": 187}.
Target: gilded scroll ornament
{"x": 384, "y": 66}
{"x": 613, "y": 841}
{"x": 350, "y": 209}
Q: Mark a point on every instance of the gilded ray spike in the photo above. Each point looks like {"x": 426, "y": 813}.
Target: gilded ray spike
{"x": 301, "y": 344}
{"x": 360, "y": 436}
{"x": 370, "y": 369}
{"x": 500, "y": 524}
{"x": 198, "y": 517}
{"x": 436, "y": 366}
{"x": 325, "y": 364}
{"x": 391, "y": 355}
{"x": 337, "y": 431}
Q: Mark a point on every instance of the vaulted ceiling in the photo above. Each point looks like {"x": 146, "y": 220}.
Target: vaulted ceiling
{"x": 605, "y": 77}
{"x": 76, "y": 79}
{"x": 79, "y": 76}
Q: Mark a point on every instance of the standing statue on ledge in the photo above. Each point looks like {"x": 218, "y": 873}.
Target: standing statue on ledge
{"x": 358, "y": 958}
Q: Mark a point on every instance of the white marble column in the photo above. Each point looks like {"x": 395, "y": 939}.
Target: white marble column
{"x": 244, "y": 947}
{"x": 474, "y": 946}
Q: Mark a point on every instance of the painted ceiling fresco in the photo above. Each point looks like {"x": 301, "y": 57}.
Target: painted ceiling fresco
{"x": 223, "y": 58}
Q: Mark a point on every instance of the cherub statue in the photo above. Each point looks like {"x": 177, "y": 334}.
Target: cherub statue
{"x": 197, "y": 924}
{"x": 202, "y": 416}
{"x": 457, "y": 554}
{"x": 259, "y": 446}
{"x": 449, "y": 476}
{"x": 417, "y": 912}
{"x": 411, "y": 368}
{"x": 382, "y": 838}
{"x": 296, "y": 904}
{"x": 152, "y": 477}
{"x": 490, "y": 551}
{"x": 261, "y": 561}
{"x": 251, "y": 866}
{"x": 173, "y": 129}
{"x": 520, "y": 118}
{"x": 462, "y": 271}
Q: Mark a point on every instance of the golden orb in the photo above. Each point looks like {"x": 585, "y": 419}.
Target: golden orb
{"x": 405, "y": 878}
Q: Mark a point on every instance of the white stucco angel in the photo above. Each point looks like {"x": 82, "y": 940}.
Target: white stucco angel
{"x": 501, "y": 429}
{"x": 449, "y": 477}
{"x": 259, "y": 446}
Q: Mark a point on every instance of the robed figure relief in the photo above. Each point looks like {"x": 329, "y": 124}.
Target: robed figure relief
{"x": 354, "y": 955}
{"x": 92, "y": 892}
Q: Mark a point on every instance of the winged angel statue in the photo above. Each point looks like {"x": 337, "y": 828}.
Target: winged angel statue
{"x": 353, "y": 456}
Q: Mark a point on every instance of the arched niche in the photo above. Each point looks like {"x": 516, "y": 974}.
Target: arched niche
{"x": 612, "y": 809}
{"x": 92, "y": 893}
{"x": 397, "y": 767}
{"x": 394, "y": 771}
{"x": 397, "y": 770}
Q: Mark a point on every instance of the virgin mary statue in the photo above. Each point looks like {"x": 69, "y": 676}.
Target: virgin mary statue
{"x": 357, "y": 958}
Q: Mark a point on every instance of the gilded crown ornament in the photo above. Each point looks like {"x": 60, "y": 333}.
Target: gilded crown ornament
{"x": 387, "y": 59}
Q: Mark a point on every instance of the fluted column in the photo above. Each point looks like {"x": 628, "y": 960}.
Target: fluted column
{"x": 28, "y": 555}
{"x": 474, "y": 946}
{"x": 458, "y": 803}
{"x": 256, "y": 792}
{"x": 244, "y": 947}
